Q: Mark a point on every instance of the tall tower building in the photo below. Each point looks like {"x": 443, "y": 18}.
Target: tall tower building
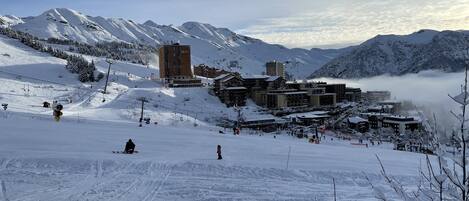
{"x": 275, "y": 68}
{"x": 175, "y": 62}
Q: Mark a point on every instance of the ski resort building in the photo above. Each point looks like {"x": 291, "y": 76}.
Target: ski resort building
{"x": 338, "y": 89}
{"x": 353, "y": 94}
{"x": 275, "y": 68}
{"x": 391, "y": 105}
{"x": 323, "y": 99}
{"x": 230, "y": 89}
{"x": 287, "y": 98}
{"x": 401, "y": 124}
{"x": 376, "y": 96}
{"x": 209, "y": 72}
{"x": 308, "y": 118}
{"x": 175, "y": 66}
{"x": 277, "y": 95}
{"x": 359, "y": 124}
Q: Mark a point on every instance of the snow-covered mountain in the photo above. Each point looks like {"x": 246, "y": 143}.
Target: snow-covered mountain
{"x": 397, "y": 55}
{"x": 9, "y": 20}
{"x": 210, "y": 45}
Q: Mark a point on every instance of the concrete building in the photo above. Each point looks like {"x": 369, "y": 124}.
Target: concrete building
{"x": 338, "y": 89}
{"x": 322, "y": 99}
{"x": 376, "y": 96}
{"x": 175, "y": 66}
{"x": 288, "y": 98}
{"x": 353, "y": 94}
{"x": 175, "y": 62}
{"x": 401, "y": 124}
{"x": 275, "y": 68}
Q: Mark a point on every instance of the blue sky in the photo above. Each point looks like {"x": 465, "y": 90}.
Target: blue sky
{"x": 293, "y": 23}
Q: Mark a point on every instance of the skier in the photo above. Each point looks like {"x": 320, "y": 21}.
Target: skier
{"x": 129, "y": 147}
{"x": 219, "y": 152}
{"x": 58, "y": 112}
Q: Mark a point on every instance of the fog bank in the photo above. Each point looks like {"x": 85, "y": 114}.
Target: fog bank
{"x": 428, "y": 89}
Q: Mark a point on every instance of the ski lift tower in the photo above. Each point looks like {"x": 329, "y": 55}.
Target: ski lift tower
{"x": 110, "y": 62}
{"x": 239, "y": 118}
{"x": 143, "y": 100}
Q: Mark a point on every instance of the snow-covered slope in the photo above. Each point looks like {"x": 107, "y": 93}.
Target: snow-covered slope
{"x": 210, "y": 45}
{"x": 71, "y": 160}
{"x": 9, "y": 20}
{"x": 397, "y": 55}
{"x": 29, "y": 78}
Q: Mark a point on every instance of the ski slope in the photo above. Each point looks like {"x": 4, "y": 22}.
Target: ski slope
{"x": 72, "y": 160}
{"x": 41, "y": 159}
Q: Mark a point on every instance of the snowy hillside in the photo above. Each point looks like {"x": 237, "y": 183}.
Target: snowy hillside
{"x": 397, "y": 55}
{"x": 29, "y": 78}
{"x": 210, "y": 45}
{"x": 9, "y": 20}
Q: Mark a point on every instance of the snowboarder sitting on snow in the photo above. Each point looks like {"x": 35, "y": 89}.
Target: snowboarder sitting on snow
{"x": 57, "y": 111}
{"x": 129, "y": 147}
{"x": 219, "y": 152}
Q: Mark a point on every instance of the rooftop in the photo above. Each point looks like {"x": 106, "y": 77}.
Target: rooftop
{"x": 356, "y": 120}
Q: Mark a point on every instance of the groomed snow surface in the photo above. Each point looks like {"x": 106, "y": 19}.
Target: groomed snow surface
{"x": 44, "y": 160}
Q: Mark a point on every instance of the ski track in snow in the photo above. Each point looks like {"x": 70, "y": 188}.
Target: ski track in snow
{"x": 149, "y": 181}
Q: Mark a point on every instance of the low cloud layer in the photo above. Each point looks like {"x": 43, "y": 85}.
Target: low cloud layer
{"x": 427, "y": 89}
{"x": 342, "y": 23}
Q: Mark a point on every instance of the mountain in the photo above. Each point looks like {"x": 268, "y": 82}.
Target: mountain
{"x": 398, "y": 55}
{"x": 210, "y": 45}
{"x": 9, "y": 20}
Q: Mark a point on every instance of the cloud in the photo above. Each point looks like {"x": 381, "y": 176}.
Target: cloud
{"x": 343, "y": 23}
{"x": 427, "y": 89}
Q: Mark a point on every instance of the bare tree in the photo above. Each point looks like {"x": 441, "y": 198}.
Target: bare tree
{"x": 444, "y": 182}
{"x": 458, "y": 176}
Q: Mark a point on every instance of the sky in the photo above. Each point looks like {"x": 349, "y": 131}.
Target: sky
{"x": 292, "y": 23}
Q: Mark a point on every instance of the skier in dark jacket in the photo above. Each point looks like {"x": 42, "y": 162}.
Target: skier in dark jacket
{"x": 129, "y": 147}
{"x": 219, "y": 152}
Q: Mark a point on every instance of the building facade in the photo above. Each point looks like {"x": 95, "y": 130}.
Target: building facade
{"x": 275, "y": 68}
{"x": 229, "y": 88}
{"x": 353, "y": 94}
{"x": 175, "y": 62}
{"x": 376, "y": 96}
{"x": 338, "y": 89}
{"x": 175, "y": 66}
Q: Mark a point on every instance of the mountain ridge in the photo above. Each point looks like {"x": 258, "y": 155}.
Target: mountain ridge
{"x": 212, "y": 46}
{"x": 401, "y": 54}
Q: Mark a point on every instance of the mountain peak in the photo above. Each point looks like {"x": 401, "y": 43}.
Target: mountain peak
{"x": 151, "y": 23}
{"x": 423, "y": 36}
{"x": 62, "y": 11}
{"x": 198, "y": 25}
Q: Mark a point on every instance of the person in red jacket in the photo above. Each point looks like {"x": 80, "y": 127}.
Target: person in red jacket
{"x": 219, "y": 152}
